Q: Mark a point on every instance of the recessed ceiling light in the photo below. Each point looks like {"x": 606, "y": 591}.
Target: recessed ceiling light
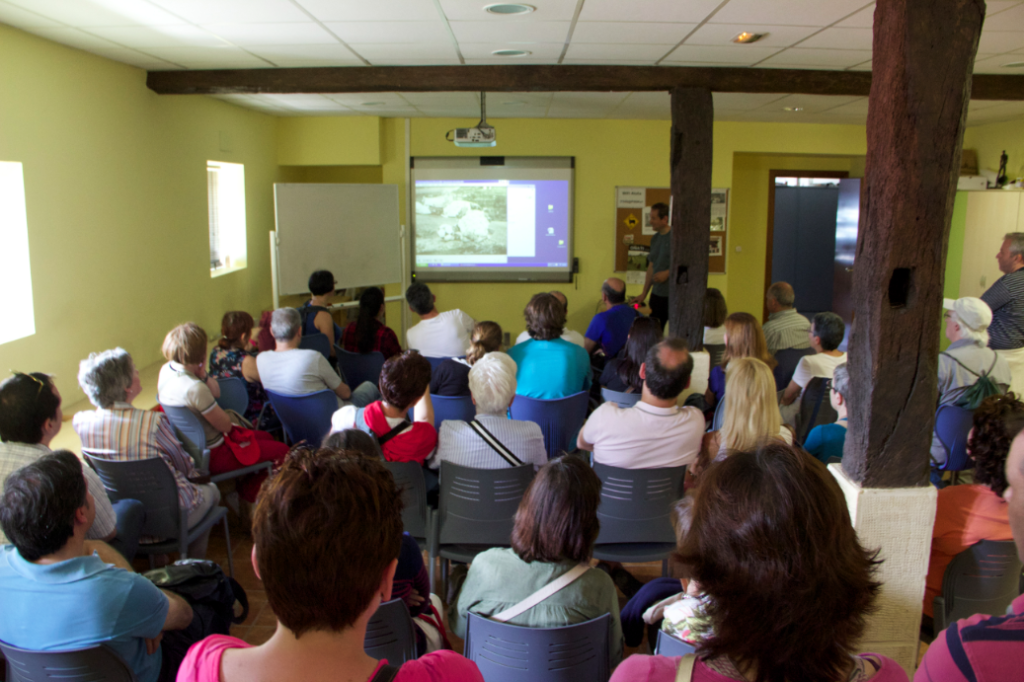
{"x": 510, "y": 53}
{"x": 1013, "y": 65}
{"x": 509, "y": 8}
{"x": 792, "y": 110}
{"x": 372, "y": 104}
{"x": 746, "y": 37}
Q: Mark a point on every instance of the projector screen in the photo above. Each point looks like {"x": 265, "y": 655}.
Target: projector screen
{"x": 492, "y": 219}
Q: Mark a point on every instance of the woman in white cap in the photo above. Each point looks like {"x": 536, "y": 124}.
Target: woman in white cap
{"x": 967, "y": 358}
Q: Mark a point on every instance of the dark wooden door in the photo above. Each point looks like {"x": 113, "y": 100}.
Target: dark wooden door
{"x": 847, "y": 222}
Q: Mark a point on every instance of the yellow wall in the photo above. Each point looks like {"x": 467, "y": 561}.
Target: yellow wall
{"x": 991, "y": 140}
{"x": 115, "y": 182}
{"x": 329, "y": 141}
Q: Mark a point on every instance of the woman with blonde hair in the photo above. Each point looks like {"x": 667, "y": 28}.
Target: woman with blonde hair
{"x": 752, "y": 415}
{"x": 744, "y": 338}
{"x": 451, "y": 377}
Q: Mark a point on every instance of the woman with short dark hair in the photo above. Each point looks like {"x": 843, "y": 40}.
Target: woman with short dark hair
{"x": 549, "y": 366}
{"x": 327, "y": 533}
{"x": 316, "y": 312}
{"x": 555, "y": 530}
{"x": 788, "y": 584}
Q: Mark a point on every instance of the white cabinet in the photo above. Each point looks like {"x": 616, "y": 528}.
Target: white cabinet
{"x": 990, "y": 215}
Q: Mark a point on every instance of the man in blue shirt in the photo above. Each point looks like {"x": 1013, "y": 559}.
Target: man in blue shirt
{"x": 609, "y": 329}
{"x": 659, "y": 261}
{"x": 61, "y": 591}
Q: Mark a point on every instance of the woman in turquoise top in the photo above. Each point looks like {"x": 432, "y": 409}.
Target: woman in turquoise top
{"x": 556, "y": 527}
{"x": 548, "y": 366}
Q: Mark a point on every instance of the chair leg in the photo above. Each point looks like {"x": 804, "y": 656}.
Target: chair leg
{"x": 227, "y": 541}
{"x": 152, "y": 564}
{"x": 432, "y": 560}
{"x": 444, "y": 577}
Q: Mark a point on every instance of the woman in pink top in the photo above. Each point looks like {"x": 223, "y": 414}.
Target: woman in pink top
{"x": 787, "y": 582}
{"x": 968, "y": 514}
{"x": 327, "y": 532}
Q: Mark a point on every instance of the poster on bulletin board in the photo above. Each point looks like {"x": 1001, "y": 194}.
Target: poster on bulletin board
{"x": 633, "y": 229}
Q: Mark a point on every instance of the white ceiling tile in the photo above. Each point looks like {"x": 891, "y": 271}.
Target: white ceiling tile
{"x": 233, "y": 11}
{"x": 377, "y": 10}
{"x": 688, "y": 12}
{"x": 995, "y": 64}
{"x": 1011, "y": 19}
{"x": 734, "y": 55}
{"x": 127, "y": 55}
{"x": 979, "y": 104}
{"x": 862, "y": 19}
{"x": 547, "y": 10}
{"x": 328, "y": 53}
{"x": 543, "y": 51}
{"x": 610, "y": 62}
{"x": 786, "y": 12}
{"x": 99, "y": 12}
{"x": 858, "y": 107}
{"x": 613, "y": 32}
{"x": 743, "y": 101}
{"x": 445, "y": 100}
{"x": 579, "y": 112}
{"x": 993, "y": 7}
{"x": 359, "y": 100}
{"x": 841, "y": 39}
{"x": 145, "y": 37}
{"x": 414, "y": 61}
{"x": 469, "y": 113}
{"x": 722, "y": 34}
{"x": 208, "y": 57}
{"x": 390, "y": 31}
{"x": 863, "y": 66}
{"x": 20, "y": 17}
{"x": 245, "y": 35}
{"x": 404, "y": 51}
{"x": 998, "y": 41}
{"x": 817, "y": 59}
{"x": 812, "y": 104}
{"x": 73, "y": 37}
{"x": 649, "y": 53}
{"x": 510, "y": 31}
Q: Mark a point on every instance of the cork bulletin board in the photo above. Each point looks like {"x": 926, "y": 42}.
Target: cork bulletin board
{"x": 633, "y": 229}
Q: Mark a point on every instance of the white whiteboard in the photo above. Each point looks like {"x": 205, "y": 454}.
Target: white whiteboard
{"x": 351, "y": 230}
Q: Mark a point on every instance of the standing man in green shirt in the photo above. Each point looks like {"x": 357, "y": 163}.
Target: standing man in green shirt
{"x": 659, "y": 260}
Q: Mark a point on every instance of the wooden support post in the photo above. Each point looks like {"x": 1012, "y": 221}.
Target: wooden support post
{"x": 923, "y": 56}
{"x": 692, "y": 121}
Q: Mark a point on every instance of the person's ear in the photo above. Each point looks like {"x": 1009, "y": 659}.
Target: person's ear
{"x": 643, "y": 371}
{"x": 387, "y": 581}
{"x": 82, "y": 515}
{"x": 840, "y": 399}
{"x": 255, "y": 564}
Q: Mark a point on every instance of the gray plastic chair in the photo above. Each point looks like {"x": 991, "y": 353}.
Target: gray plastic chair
{"x": 668, "y": 645}
{"x": 512, "y": 653}
{"x": 476, "y": 511}
{"x": 151, "y": 482}
{"x": 188, "y": 423}
{"x": 94, "y": 664}
{"x": 984, "y": 578}
{"x": 317, "y": 342}
{"x": 415, "y": 514}
{"x": 390, "y": 635}
{"x": 635, "y": 513}
{"x": 234, "y": 394}
{"x": 815, "y": 407}
{"x": 620, "y": 398}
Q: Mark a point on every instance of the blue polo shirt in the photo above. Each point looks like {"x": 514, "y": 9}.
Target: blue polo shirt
{"x": 79, "y": 603}
{"x": 610, "y": 328}
{"x": 550, "y": 369}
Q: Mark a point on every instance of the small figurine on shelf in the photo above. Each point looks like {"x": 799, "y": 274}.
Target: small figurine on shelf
{"x": 1001, "y": 176}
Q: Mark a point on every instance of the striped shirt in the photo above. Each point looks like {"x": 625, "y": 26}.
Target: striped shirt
{"x": 13, "y": 456}
{"x": 977, "y": 649}
{"x": 124, "y": 433}
{"x": 1006, "y": 299}
{"x": 459, "y": 444}
{"x": 786, "y": 329}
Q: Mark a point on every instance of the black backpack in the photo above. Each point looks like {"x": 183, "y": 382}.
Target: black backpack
{"x": 210, "y": 593}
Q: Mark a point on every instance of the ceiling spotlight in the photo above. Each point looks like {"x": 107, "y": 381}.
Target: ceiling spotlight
{"x": 792, "y": 110}
{"x": 372, "y": 104}
{"x": 746, "y": 37}
{"x": 510, "y": 53}
{"x": 1013, "y": 65}
{"x": 507, "y": 9}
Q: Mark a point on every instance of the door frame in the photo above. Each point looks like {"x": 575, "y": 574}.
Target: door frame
{"x": 772, "y": 174}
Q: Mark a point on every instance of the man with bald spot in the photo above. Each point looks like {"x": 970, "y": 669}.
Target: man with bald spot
{"x": 785, "y": 328}
{"x": 609, "y": 329}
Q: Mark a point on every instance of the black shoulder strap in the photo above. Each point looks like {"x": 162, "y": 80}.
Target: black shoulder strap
{"x": 386, "y": 673}
{"x": 495, "y": 444}
{"x": 963, "y": 366}
{"x": 393, "y": 432}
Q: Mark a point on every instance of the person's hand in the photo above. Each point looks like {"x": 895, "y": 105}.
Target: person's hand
{"x": 415, "y": 598}
{"x": 153, "y": 645}
{"x": 636, "y": 300}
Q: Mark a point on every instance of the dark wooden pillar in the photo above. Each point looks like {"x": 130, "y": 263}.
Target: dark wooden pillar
{"x": 692, "y": 121}
{"x": 923, "y": 57}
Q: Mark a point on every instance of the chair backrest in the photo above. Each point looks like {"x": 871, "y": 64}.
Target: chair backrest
{"x": 788, "y": 359}
{"x": 360, "y": 367}
{"x": 434, "y": 362}
{"x": 952, "y": 425}
{"x": 984, "y": 578}
{"x": 188, "y": 423}
{"x": 715, "y": 353}
{"x": 305, "y": 417}
{"x": 478, "y": 506}
{"x": 95, "y": 664}
{"x": 636, "y": 504}
{"x": 410, "y": 482}
{"x": 815, "y": 407}
{"x": 390, "y": 634}
{"x": 560, "y": 420}
{"x": 149, "y": 481}
{"x": 672, "y": 646}
{"x": 620, "y": 398}
{"x": 317, "y": 342}
{"x": 512, "y": 653}
{"x": 457, "y": 407}
{"x": 234, "y": 394}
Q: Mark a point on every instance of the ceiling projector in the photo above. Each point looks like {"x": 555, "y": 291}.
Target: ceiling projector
{"x": 482, "y": 135}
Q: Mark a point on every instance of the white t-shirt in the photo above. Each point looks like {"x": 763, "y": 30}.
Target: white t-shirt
{"x": 567, "y": 335}
{"x": 298, "y": 371}
{"x": 817, "y": 365}
{"x": 345, "y": 418}
{"x": 444, "y": 336}
{"x": 177, "y": 387}
{"x": 714, "y": 336}
{"x": 644, "y": 436}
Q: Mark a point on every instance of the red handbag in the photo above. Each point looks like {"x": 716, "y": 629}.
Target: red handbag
{"x": 243, "y": 446}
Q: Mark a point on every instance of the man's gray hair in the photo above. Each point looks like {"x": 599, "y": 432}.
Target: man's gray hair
{"x": 783, "y": 294}
{"x": 492, "y": 381}
{"x": 1016, "y": 240}
{"x": 841, "y": 380}
{"x": 106, "y": 377}
{"x": 284, "y": 323}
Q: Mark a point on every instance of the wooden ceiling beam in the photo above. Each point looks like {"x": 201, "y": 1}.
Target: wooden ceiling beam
{"x": 543, "y": 78}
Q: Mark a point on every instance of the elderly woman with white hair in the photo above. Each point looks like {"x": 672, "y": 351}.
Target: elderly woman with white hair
{"x": 967, "y": 358}
{"x": 117, "y": 431}
{"x": 487, "y": 441}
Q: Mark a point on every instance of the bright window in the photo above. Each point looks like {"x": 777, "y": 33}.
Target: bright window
{"x": 17, "y": 319}
{"x": 226, "y": 190}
